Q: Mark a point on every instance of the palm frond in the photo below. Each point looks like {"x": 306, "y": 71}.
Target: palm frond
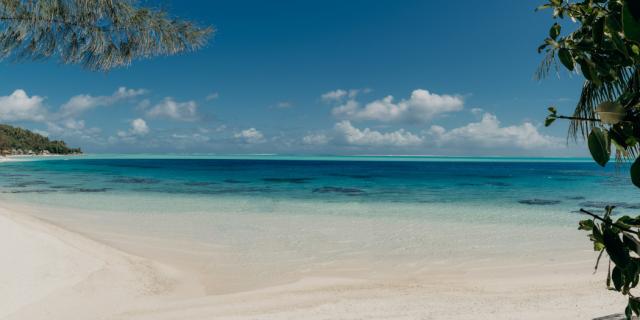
{"x": 547, "y": 64}
{"x": 593, "y": 94}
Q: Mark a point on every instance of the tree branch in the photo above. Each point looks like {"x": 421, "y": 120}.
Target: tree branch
{"x": 578, "y": 118}
{"x": 608, "y": 222}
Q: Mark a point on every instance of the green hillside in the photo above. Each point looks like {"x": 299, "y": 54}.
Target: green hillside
{"x": 15, "y": 141}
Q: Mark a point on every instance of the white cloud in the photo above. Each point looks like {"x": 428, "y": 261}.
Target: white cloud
{"x": 476, "y": 111}
{"x": 75, "y": 130}
{"x": 488, "y": 133}
{"x": 20, "y": 107}
{"x": 339, "y": 94}
{"x": 348, "y": 109}
{"x": 421, "y": 107}
{"x": 73, "y": 124}
{"x": 250, "y": 135}
{"x": 367, "y": 137}
{"x": 212, "y": 96}
{"x": 316, "y": 139}
{"x": 139, "y": 127}
{"x": 183, "y": 111}
{"x": 83, "y": 102}
{"x": 335, "y": 95}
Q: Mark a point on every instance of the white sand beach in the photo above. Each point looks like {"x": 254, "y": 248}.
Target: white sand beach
{"x": 49, "y": 272}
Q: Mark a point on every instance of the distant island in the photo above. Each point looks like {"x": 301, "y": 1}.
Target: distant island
{"x": 18, "y": 141}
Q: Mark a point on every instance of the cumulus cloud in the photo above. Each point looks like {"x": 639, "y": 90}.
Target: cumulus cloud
{"x": 64, "y": 122}
{"x": 335, "y": 95}
{"x": 75, "y": 130}
{"x": 366, "y": 137}
{"x": 20, "y": 107}
{"x": 73, "y": 124}
{"x": 422, "y": 106}
{"x": 488, "y": 133}
{"x": 169, "y": 108}
{"x": 139, "y": 127}
{"x": 340, "y": 94}
{"x": 83, "y": 102}
{"x": 250, "y": 135}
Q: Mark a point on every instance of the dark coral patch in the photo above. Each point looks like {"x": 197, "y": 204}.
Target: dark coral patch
{"x": 539, "y": 202}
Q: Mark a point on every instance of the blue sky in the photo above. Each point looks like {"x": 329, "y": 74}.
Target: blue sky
{"x": 316, "y": 77}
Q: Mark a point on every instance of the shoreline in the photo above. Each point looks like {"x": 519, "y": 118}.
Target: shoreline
{"x": 26, "y": 157}
{"x": 60, "y": 274}
{"x": 311, "y": 157}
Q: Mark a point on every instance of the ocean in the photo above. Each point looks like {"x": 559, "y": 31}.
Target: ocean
{"x": 516, "y": 182}
{"x": 313, "y": 215}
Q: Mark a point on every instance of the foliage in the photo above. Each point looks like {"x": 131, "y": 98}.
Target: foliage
{"x": 13, "y": 138}
{"x": 604, "y": 46}
{"x": 97, "y": 34}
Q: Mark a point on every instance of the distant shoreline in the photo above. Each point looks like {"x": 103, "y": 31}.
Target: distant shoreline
{"x": 275, "y": 157}
{"x": 25, "y": 157}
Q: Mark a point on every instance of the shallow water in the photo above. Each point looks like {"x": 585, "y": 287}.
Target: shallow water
{"x": 261, "y": 221}
{"x": 554, "y": 184}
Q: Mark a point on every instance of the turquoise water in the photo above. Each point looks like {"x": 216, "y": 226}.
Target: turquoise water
{"x": 521, "y": 182}
{"x": 261, "y": 220}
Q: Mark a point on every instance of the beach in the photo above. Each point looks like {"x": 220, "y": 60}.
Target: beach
{"x": 54, "y": 273}
{"x": 91, "y": 251}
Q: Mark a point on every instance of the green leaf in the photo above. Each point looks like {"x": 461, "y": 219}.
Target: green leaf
{"x": 599, "y": 146}
{"x": 608, "y": 210}
{"x": 542, "y": 46}
{"x": 585, "y": 225}
{"x": 616, "y": 250}
{"x": 619, "y": 44}
{"x": 543, "y": 7}
{"x": 635, "y": 305}
{"x": 635, "y": 173}
{"x": 634, "y": 8}
{"x": 549, "y": 120}
{"x": 552, "y": 110}
{"x": 629, "y": 243}
{"x": 616, "y": 277}
{"x": 627, "y": 312}
{"x": 613, "y": 24}
{"x": 598, "y": 31}
{"x": 554, "y": 32}
{"x": 588, "y": 69}
{"x": 630, "y": 21}
{"x": 617, "y": 135}
{"x": 597, "y": 239}
{"x": 565, "y": 57}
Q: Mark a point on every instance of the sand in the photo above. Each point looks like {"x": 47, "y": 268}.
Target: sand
{"x": 49, "y": 272}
